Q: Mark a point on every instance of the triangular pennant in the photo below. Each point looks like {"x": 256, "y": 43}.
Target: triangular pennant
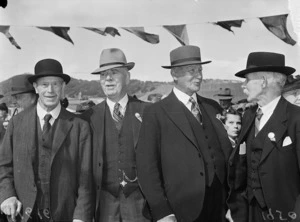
{"x": 3, "y": 3}
{"x": 60, "y": 31}
{"x": 140, "y": 32}
{"x": 103, "y": 31}
{"x": 228, "y": 24}
{"x": 277, "y": 25}
{"x": 179, "y": 32}
{"x": 5, "y": 31}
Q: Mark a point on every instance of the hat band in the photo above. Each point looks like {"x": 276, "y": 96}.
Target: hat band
{"x": 175, "y": 62}
{"x": 112, "y": 63}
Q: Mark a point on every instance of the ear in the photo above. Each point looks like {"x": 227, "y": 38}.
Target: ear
{"x": 127, "y": 78}
{"x": 35, "y": 87}
{"x": 265, "y": 82}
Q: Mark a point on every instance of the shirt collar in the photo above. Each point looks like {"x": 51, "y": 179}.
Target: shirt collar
{"x": 183, "y": 97}
{"x": 123, "y": 103}
{"x": 41, "y": 112}
{"x": 269, "y": 108}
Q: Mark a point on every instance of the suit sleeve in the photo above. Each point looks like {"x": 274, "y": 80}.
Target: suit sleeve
{"x": 6, "y": 165}
{"x": 149, "y": 165}
{"x": 84, "y": 209}
{"x": 297, "y": 204}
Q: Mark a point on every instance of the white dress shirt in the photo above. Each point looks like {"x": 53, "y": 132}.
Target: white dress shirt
{"x": 123, "y": 104}
{"x": 267, "y": 111}
{"x": 184, "y": 98}
{"x": 41, "y": 114}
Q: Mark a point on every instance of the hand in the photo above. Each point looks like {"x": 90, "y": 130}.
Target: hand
{"x": 228, "y": 216}
{"x": 169, "y": 218}
{"x": 11, "y": 206}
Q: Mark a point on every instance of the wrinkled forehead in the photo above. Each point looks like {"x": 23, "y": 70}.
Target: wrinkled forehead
{"x": 49, "y": 79}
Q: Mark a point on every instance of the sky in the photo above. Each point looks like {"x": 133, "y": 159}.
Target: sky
{"x": 228, "y": 51}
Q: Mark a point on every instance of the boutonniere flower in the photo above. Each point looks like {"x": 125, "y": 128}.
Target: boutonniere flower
{"x": 271, "y": 136}
{"x": 138, "y": 116}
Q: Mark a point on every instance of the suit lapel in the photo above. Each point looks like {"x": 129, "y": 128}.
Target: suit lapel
{"x": 133, "y": 108}
{"x": 247, "y": 122}
{"x": 218, "y": 126}
{"x": 277, "y": 125}
{"x": 174, "y": 109}
{"x": 62, "y": 130}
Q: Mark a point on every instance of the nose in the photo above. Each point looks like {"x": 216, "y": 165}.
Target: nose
{"x": 244, "y": 85}
{"x": 108, "y": 76}
{"x": 50, "y": 88}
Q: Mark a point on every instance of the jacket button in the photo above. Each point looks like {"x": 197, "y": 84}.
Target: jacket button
{"x": 201, "y": 173}
{"x": 99, "y": 164}
{"x": 98, "y": 187}
{"x": 199, "y": 155}
{"x": 230, "y": 163}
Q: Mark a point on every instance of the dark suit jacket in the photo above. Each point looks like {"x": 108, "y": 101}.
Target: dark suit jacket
{"x": 168, "y": 159}
{"x": 96, "y": 118}
{"x": 279, "y": 167}
{"x": 71, "y": 191}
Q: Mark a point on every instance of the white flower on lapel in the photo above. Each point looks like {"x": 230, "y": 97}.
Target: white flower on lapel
{"x": 138, "y": 116}
{"x": 271, "y": 136}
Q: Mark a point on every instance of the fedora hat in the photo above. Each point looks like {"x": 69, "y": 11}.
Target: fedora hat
{"x": 266, "y": 61}
{"x": 224, "y": 94}
{"x": 185, "y": 55}
{"x": 48, "y": 67}
{"x": 113, "y": 58}
{"x": 19, "y": 84}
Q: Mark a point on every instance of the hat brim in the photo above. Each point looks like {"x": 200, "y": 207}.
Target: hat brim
{"x": 65, "y": 77}
{"x": 186, "y": 63}
{"x": 286, "y": 70}
{"x": 129, "y": 66}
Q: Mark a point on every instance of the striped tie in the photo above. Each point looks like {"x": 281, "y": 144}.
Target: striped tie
{"x": 196, "y": 110}
{"x": 117, "y": 115}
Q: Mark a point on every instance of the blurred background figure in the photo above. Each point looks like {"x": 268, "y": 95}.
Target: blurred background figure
{"x": 154, "y": 97}
{"x": 84, "y": 106}
{"x": 224, "y": 96}
{"x": 64, "y": 102}
{"x": 22, "y": 92}
{"x": 232, "y": 121}
{"x": 3, "y": 111}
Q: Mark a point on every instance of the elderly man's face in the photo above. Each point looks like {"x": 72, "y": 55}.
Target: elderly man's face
{"x": 114, "y": 83}
{"x": 50, "y": 90}
{"x": 253, "y": 87}
{"x": 188, "y": 78}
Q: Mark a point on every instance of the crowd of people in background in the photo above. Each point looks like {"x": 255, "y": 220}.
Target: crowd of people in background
{"x": 176, "y": 158}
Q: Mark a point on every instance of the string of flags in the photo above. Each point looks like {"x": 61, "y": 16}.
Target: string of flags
{"x": 275, "y": 24}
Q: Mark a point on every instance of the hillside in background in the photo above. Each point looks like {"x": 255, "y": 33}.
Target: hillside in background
{"x": 91, "y": 89}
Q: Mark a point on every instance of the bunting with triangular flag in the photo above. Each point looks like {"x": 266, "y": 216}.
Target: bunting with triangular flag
{"x": 103, "y": 31}
{"x": 60, "y": 31}
{"x": 179, "y": 32}
{"x": 5, "y": 30}
{"x": 228, "y": 24}
{"x": 140, "y": 32}
{"x": 277, "y": 25}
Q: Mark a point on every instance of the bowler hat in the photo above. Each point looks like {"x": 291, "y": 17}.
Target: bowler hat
{"x": 19, "y": 84}
{"x": 112, "y": 58}
{"x": 48, "y": 67}
{"x": 266, "y": 61}
{"x": 185, "y": 55}
{"x": 224, "y": 94}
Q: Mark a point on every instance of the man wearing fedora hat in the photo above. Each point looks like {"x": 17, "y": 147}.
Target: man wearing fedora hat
{"x": 264, "y": 170}
{"x": 45, "y": 157}
{"x": 224, "y": 96}
{"x": 183, "y": 147}
{"x": 115, "y": 124}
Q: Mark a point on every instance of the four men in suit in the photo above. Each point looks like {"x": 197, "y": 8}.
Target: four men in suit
{"x": 115, "y": 125}
{"x": 183, "y": 148}
{"x": 46, "y": 157}
{"x": 264, "y": 169}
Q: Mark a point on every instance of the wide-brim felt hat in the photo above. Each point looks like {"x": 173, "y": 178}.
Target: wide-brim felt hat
{"x": 113, "y": 58}
{"x": 266, "y": 61}
{"x": 185, "y": 55}
{"x": 224, "y": 94}
{"x": 19, "y": 84}
{"x": 49, "y": 67}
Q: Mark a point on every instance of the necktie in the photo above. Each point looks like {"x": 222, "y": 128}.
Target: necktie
{"x": 259, "y": 114}
{"x": 117, "y": 115}
{"x": 196, "y": 110}
{"x": 47, "y": 124}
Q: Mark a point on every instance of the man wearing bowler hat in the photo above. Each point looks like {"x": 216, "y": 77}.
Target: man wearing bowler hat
{"x": 264, "y": 170}
{"x": 45, "y": 157}
{"x": 183, "y": 148}
{"x": 115, "y": 127}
